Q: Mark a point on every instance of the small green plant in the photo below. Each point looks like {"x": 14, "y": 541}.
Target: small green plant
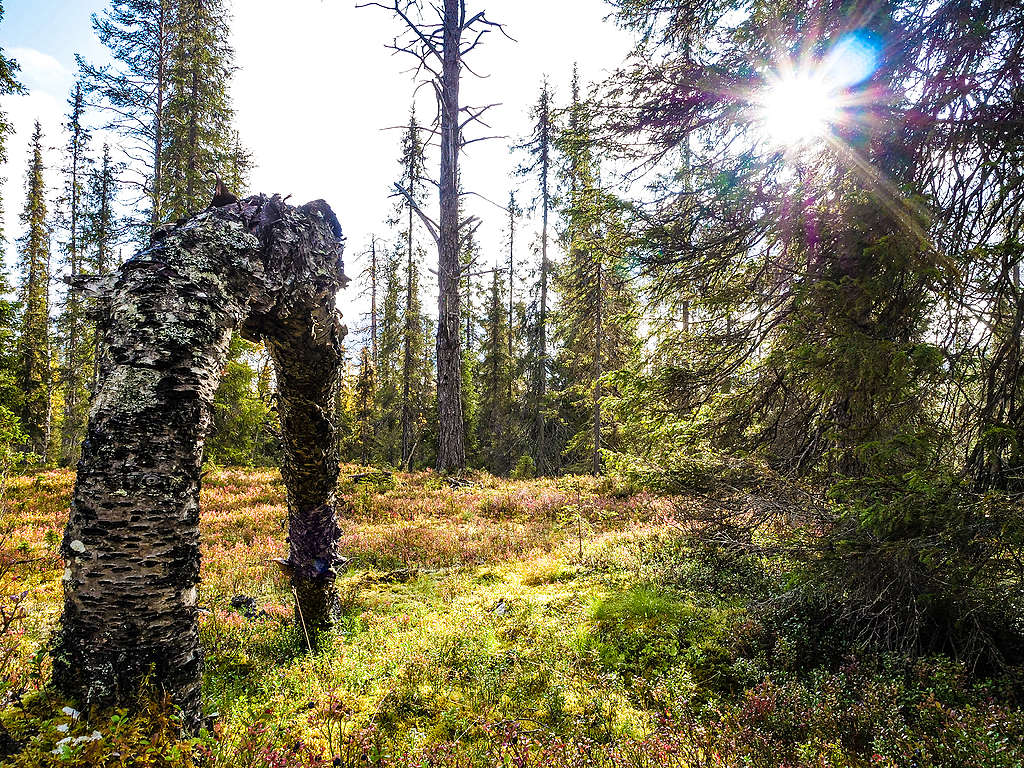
{"x": 525, "y": 468}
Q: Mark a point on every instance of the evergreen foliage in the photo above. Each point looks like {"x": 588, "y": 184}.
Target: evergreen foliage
{"x": 9, "y": 85}
{"x": 133, "y": 93}
{"x": 35, "y": 374}
{"x": 12, "y": 438}
{"x": 199, "y": 144}
{"x": 597, "y": 317}
{"x": 75, "y": 332}
{"x": 494, "y": 376}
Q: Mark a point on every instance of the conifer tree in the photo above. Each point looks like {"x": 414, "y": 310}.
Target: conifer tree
{"x": 372, "y": 274}
{"x": 470, "y": 400}
{"x": 234, "y": 167}
{"x": 102, "y": 227}
{"x": 423, "y": 452}
{"x": 494, "y": 423}
{"x": 34, "y": 342}
{"x": 12, "y": 437}
{"x": 76, "y": 335}
{"x": 199, "y": 143}
{"x": 413, "y": 181}
{"x": 415, "y": 375}
{"x": 388, "y": 369}
{"x": 365, "y": 394}
{"x": 514, "y": 213}
{"x": 345, "y": 410}
{"x": 9, "y": 85}
{"x": 596, "y": 322}
{"x": 539, "y": 148}
{"x": 102, "y": 233}
{"x": 134, "y": 90}
{"x": 440, "y": 45}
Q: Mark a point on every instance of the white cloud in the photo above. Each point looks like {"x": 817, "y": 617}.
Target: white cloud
{"x": 40, "y": 71}
{"x": 48, "y": 82}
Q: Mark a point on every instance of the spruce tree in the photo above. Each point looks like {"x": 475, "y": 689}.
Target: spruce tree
{"x": 9, "y": 86}
{"x": 102, "y": 233}
{"x": 494, "y": 423}
{"x": 365, "y": 394}
{"x": 470, "y": 399}
{"x": 540, "y": 152}
{"x": 34, "y": 341}
{"x": 371, "y": 275}
{"x": 345, "y": 411}
{"x": 514, "y": 213}
{"x": 389, "y": 368}
{"x": 199, "y": 141}
{"x": 596, "y": 321}
{"x": 134, "y": 91}
{"x": 413, "y": 182}
{"x": 414, "y": 371}
{"x": 12, "y": 437}
{"x": 102, "y": 227}
{"x": 76, "y": 334}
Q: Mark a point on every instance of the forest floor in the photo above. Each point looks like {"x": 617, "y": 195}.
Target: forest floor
{"x": 505, "y": 623}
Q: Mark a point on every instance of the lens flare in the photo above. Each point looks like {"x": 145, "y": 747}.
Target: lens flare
{"x": 853, "y": 59}
{"x": 803, "y": 102}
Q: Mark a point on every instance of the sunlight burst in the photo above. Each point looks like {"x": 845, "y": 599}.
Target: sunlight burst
{"x": 799, "y": 109}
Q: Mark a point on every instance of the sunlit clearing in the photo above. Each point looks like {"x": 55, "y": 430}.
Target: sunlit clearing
{"x": 799, "y": 110}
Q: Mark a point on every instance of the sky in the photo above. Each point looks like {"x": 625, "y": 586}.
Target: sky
{"x": 317, "y": 91}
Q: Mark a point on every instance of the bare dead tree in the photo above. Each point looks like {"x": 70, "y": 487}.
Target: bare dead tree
{"x": 439, "y": 49}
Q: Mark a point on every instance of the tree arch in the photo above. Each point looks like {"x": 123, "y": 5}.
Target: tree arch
{"x": 272, "y": 272}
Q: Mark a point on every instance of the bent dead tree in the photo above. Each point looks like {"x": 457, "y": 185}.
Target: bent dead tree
{"x": 270, "y": 271}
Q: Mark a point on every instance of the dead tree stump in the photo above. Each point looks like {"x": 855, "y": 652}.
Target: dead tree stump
{"x": 132, "y": 541}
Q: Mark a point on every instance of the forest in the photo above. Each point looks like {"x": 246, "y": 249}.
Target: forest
{"x": 702, "y": 446}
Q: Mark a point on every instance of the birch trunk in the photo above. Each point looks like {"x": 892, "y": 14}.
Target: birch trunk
{"x": 132, "y": 540}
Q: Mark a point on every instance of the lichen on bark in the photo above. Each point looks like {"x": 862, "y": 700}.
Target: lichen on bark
{"x": 132, "y": 540}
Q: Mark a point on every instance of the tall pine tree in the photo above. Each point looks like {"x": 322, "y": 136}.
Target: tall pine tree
{"x": 199, "y": 142}
{"x": 77, "y": 342}
{"x": 34, "y": 341}
{"x": 134, "y": 90}
{"x": 540, "y": 152}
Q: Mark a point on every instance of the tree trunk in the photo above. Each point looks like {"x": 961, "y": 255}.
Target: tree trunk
{"x": 407, "y": 352}
{"x": 305, "y": 339}
{"x": 598, "y": 331}
{"x": 132, "y": 540}
{"x": 451, "y": 447}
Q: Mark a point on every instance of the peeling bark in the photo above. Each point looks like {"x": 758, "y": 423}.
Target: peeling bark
{"x": 305, "y": 337}
{"x": 132, "y": 541}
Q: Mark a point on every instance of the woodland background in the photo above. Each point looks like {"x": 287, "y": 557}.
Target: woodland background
{"x": 826, "y": 343}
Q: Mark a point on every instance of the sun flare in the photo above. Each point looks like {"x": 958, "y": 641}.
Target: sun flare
{"x": 799, "y": 110}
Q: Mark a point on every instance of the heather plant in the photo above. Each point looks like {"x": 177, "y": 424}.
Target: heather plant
{"x": 473, "y": 634}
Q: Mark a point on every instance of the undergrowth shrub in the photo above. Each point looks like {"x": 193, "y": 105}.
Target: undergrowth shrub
{"x": 643, "y": 633}
{"x": 918, "y": 564}
{"x": 40, "y": 733}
